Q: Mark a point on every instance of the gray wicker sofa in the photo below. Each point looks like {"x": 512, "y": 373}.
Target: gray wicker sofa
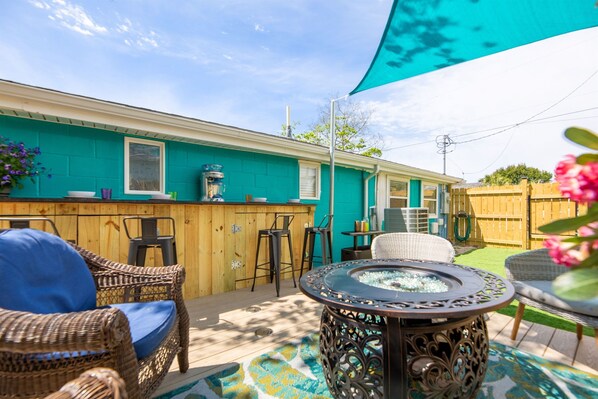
{"x": 532, "y": 273}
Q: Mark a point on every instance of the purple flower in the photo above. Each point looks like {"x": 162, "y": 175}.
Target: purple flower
{"x": 19, "y": 162}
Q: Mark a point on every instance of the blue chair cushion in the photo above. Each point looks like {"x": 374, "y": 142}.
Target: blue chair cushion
{"x": 150, "y": 323}
{"x": 41, "y": 273}
{"x": 541, "y": 291}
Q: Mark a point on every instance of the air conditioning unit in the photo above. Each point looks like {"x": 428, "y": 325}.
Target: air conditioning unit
{"x": 411, "y": 220}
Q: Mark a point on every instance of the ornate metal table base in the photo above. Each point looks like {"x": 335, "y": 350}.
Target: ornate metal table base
{"x": 371, "y": 356}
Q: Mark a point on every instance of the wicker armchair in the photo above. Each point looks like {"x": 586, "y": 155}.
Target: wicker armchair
{"x": 41, "y": 351}
{"x": 532, "y": 273}
{"x": 97, "y": 383}
{"x": 412, "y": 246}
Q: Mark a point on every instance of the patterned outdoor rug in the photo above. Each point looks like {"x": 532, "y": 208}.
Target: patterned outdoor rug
{"x": 293, "y": 371}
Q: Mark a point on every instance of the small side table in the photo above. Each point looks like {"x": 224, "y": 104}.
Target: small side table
{"x": 358, "y": 251}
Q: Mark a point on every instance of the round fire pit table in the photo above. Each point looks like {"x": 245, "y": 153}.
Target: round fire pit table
{"x": 396, "y": 328}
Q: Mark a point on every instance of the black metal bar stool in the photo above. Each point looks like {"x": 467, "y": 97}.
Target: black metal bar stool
{"x": 25, "y": 223}
{"x": 309, "y": 238}
{"x": 150, "y": 238}
{"x": 274, "y": 235}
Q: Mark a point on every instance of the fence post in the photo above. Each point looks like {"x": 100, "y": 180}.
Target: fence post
{"x": 525, "y": 216}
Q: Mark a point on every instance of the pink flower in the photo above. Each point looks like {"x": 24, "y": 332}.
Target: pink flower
{"x": 577, "y": 182}
{"x": 568, "y": 253}
{"x": 562, "y": 252}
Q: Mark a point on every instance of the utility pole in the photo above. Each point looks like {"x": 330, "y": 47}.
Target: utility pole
{"x": 443, "y": 143}
{"x": 289, "y": 132}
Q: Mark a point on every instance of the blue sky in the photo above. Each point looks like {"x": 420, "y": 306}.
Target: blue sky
{"x": 241, "y": 62}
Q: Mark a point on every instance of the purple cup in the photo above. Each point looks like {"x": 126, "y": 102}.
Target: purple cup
{"x": 106, "y": 193}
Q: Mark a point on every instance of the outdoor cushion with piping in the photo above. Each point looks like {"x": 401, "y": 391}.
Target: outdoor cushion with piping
{"x": 150, "y": 322}
{"x": 41, "y": 273}
{"x": 541, "y": 291}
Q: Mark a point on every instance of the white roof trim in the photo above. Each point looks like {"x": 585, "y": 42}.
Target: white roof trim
{"x": 38, "y": 103}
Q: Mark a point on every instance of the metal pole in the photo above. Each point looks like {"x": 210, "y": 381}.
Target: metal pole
{"x": 443, "y": 145}
{"x": 289, "y": 134}
{"x": 332, "y": 149}
{"x": 444, "y": 155}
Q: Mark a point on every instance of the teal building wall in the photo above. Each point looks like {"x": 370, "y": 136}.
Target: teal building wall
{"x": 83, "y": 158}
{"x": 87, "y": 159}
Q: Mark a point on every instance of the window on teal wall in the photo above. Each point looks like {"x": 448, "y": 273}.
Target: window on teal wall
{"x": 309, "y": 180}
{"x": 398, "y": 193}
{"x": 430, "y": 198}
{"x": 144, "y": 166}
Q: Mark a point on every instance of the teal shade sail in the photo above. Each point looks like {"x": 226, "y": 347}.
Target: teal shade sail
{"x": 425, "y": 35}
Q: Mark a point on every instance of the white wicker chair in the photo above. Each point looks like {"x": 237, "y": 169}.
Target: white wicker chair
{"x": 532, "y": 273}
{"x": 412, "y": 246}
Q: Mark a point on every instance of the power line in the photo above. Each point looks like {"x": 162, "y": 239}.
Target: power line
{"x": 527, "y": 120}
{"x": 545, "y": 119}
{"x": 495, "y": 159}
{"x": 447, "y": 141}
{"x": 534, "y": 121}
{"x": 533, "y": 116}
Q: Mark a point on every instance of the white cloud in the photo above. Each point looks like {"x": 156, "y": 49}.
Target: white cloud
{"x": 74, "y": 17}
{"x": 40, "y": 4}
{"x": 125, "y": 26}
{"x": 137, "y": 36}
{"x": 259, "y": 28}
{"x": 146, "y": 41}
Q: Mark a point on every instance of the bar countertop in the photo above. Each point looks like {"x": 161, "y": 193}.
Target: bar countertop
{"x": 147, "y": 201}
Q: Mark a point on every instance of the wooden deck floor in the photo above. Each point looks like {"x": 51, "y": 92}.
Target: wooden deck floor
{"x": 223, "y": 332}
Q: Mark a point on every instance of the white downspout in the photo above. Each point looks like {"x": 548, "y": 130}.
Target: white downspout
{"x": 365, "y": 191}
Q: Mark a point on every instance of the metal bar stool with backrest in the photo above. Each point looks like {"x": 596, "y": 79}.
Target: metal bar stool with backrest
{"x": 274, "y": 235}
{"x": 25, "y": 223}
{"x": 309, "y": 238}
{"x": 150, "y": 238}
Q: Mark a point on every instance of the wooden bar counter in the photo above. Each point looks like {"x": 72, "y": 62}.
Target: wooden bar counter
{"x": 216, "y": 241}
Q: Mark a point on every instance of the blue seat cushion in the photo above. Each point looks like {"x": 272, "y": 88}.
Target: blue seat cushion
{"x": 150, "y": 323}
{"x": 41, "y": 273}
{"x": 541, "y": 291}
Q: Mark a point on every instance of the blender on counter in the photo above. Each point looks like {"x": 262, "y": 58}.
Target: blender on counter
{"x": 212, "y": 183}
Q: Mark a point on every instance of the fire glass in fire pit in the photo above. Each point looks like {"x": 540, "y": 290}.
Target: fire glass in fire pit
{"x": 403, "y": 281}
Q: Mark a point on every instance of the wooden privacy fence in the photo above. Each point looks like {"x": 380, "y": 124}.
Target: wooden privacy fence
{"x": 509, "y": 216}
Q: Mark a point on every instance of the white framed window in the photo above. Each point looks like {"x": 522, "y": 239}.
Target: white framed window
{"x": 398, "y": 193}
{"x": 309, "y": 180}
{"x": 144, "y": 166}
{"x": 430, "y": 198}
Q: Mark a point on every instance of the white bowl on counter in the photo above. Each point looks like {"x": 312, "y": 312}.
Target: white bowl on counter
{"x": 161, "y": 196}
{"x": 81, "y": 194}
{"x": 260, "y": 199}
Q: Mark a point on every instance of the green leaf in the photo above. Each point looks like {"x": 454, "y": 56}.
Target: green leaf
{"x": 579, "y": 239}
{"x": 587, "y": 158}
{"x": 590, "y": 261}
{"x": 577, "y": 284}
{"x": 563, "y": 225}
{"x": 582, "y": 137}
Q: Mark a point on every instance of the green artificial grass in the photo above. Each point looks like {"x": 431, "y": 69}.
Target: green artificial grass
{"x": 493, "y": 260}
